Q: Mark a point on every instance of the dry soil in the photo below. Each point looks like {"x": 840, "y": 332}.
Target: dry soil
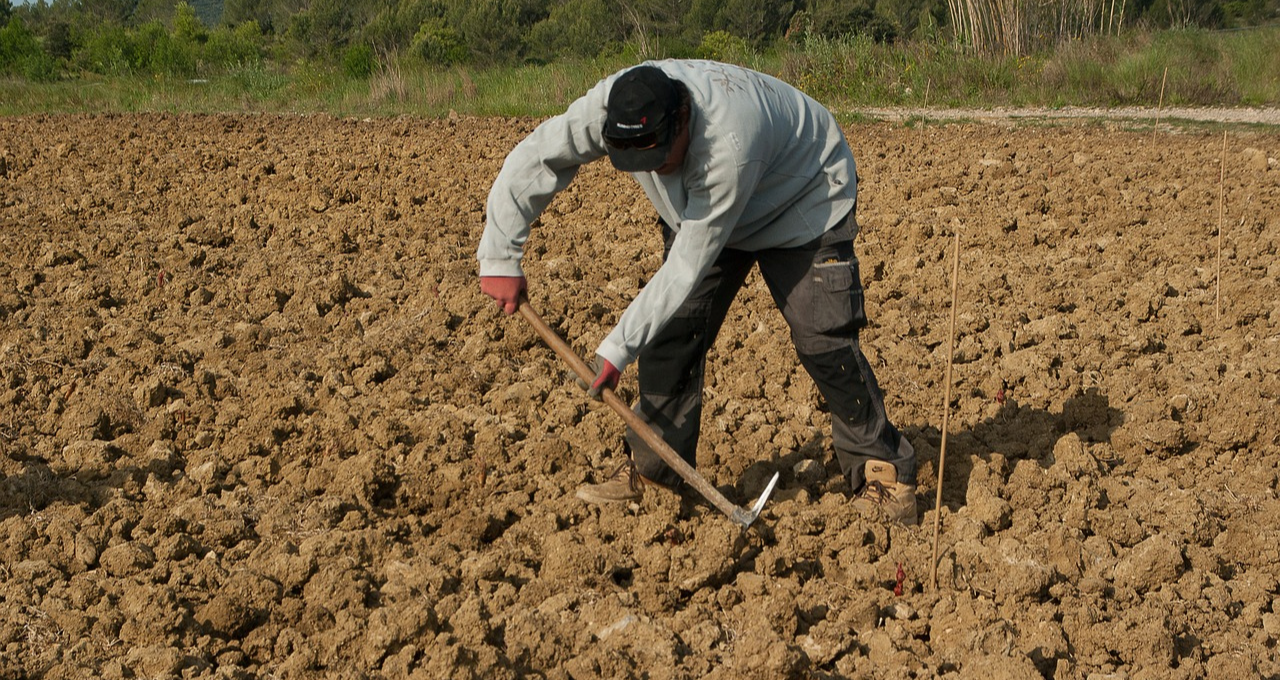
{"x": 257, "y": 420}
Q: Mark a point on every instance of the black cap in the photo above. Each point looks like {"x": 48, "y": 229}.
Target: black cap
{"x": 640, "y": 119}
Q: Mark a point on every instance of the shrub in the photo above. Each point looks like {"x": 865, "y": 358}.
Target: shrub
{"x": 186, "y": 25}
{"x": 358, "y": 61}
{"x": 115, "y": 51}
{"x": 58, "y": 42}
{"x": 21, "y": 54}
{"x": 393, "y": 27}
{"x": 239, "y": 46}
{"x": 438, "y": 43}
{"x": 160, "y": 53}
{"x": 839, "y": 18}
{"x": 16, "y": 45}
{"x": 106, "y": 51}
{"x": 722, "y": 46}
{"x": 39, "y": 68}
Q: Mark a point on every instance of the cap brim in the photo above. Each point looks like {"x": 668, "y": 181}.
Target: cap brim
{"x": 639, "y": 160}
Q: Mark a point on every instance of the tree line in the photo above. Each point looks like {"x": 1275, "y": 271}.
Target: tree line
{"x": 48, "y": 39}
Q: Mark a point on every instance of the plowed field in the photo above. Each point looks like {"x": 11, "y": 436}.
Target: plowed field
{"x": 257, "y": 420}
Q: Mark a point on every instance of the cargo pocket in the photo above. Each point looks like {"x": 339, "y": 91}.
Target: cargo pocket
{"x": 837, "y": 298}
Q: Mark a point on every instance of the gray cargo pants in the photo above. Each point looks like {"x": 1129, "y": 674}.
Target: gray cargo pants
{"x": 818, "y": 289}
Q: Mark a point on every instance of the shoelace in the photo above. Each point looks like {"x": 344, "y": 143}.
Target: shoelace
{"x": 633, "y": 476}
{"x": 876, "y": 492}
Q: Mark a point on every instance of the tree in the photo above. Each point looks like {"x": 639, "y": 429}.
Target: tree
{"x": 116, "y": 12}
{"x": 146, "y": 11}
{"x": 578, "y": 28}
{"x": 20, "y": 53}
{"x": 496, "y": 30}
{"x": 236, "y": 12}
{"x": 236, "y": 46}
{"x": 1241, "y": 13}
{"x": 393, "y": 28}
{"x": 705, "y": 16}
{"x": 757, "y": 22}
{"x": 58, "y": 42}
{"x": 835, "y": 18}
{"x": 1185, "y": 13}
{"x": 16, "y": 44}
{"x": 915, "y": 18}
{"x": 324, "y": 28}
{"x": 658, "y": 27}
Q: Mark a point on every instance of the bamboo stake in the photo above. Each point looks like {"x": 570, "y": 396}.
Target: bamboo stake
{"x": 1222, "y": 207}
{"x": 946, "y": 410}
{"x": 1160, "y": 107}
{"x": 924, "y": 120}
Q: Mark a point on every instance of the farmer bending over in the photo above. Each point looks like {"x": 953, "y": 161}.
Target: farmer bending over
{"x": 743, "y": 170}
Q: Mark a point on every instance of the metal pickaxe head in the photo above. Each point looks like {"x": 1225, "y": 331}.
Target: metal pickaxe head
{"x": 743, "y": 517}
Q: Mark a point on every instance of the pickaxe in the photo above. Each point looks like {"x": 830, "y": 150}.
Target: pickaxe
{"x": 740, "y": 516}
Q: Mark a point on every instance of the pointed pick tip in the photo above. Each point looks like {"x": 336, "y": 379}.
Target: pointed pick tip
{"x": 744, "y": 517}
{"x": 764, "y": 497}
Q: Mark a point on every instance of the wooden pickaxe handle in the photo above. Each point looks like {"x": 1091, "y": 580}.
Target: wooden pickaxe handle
{"x": 739, "y": 515}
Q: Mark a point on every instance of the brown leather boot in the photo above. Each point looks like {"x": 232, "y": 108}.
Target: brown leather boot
{"x": 883, "y": 497}
{"x": 623, "y": 486}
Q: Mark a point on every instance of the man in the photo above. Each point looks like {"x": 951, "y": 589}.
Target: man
{"x": 743, "y": 170}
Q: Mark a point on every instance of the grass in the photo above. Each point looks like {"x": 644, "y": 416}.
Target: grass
{"x": 1204, "y": 68}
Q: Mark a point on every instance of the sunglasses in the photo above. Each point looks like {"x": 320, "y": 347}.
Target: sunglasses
{"x": 641, "y": 143}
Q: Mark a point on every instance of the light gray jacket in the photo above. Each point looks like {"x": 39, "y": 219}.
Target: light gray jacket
{"x": 767, "y": 167}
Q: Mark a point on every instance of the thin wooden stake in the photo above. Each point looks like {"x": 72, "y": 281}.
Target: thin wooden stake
{"x": 1222, "y": 207}
{"x": 1160, "y": 107}
{"x": 946, "y": 410}
{"x": 925, "y": 119}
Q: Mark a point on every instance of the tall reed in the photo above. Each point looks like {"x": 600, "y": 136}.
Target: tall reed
{"x": 1021, "y": 27}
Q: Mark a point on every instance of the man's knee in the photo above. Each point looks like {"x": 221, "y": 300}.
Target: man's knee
{"x": 839, "y": 378}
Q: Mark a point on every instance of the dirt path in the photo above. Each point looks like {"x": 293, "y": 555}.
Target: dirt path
{"x": 1254, "y": 115}
{"x": 258, "y": 421}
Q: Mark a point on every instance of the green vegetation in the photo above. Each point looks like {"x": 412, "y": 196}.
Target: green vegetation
{"x": 531, "y": 57}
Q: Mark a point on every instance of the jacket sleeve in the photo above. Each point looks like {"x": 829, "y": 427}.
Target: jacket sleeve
{"x": 541, "y": 165}
{"x": 717, "y": 195}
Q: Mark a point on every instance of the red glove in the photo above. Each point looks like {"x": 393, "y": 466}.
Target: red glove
{"x": 505, "y": 289}
{"x": 606, "y": 376}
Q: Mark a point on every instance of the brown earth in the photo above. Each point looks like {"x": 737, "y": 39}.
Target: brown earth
{"x": 258, "y": 420}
